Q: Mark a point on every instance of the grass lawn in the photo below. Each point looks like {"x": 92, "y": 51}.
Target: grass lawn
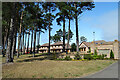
{"x": 52, "y": 69}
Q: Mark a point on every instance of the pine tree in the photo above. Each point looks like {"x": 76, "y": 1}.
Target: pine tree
{"x": 111, "y": 55}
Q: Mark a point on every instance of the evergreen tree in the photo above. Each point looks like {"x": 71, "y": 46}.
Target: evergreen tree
{"x": 80, "y": 8}
{"x": 63, "y": 13}
{"x": 73, "y": 47}
{"x": 111, "y": 55}
{"x": 49, "y": 7}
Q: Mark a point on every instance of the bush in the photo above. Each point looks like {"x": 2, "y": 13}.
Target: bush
{"x": 94, "y": 58}
{"x": 95, "y": 52}
{"x": 54, "y": 56}
{"x": 106, "y": 58}
{"x": 111, "y": 55}
{"x": 88, "y": 56}
{"x": 68, "y": 58}
{"x": 101, "y": 57}
{"x": 59, "y": 59}
{"x": 89, "y": 51}
{"x": 77, "y": 57}
{"x": 98, "y": 57}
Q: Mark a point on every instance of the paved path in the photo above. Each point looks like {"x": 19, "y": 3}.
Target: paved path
{"x": 109, "y": 72}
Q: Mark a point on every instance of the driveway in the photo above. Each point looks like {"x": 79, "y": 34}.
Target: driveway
{"x": 109, "y": 72}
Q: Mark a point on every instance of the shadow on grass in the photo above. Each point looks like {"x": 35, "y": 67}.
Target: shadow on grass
{"x": 37, "y": 57}
{"x": 41, "y": 54}
{"x": 32, "y": 59}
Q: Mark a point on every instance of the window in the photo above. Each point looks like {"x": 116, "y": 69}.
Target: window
{"x": 84, "y": 49}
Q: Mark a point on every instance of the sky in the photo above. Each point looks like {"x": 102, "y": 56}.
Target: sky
{"x": 103, "y": 20}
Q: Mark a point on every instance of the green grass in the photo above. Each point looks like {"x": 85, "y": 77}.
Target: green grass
{"x": 53, "y": 69}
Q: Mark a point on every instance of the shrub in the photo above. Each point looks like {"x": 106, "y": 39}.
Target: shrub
{"x": 111, "y": 55}
{"x": 68, "y": 58}
{"x": 89, "y": 51}
{"x": 94, "y": 58}
{"x": 59, "y": 59}
{"x": 54, "y": 56}
{"x": 98, "y": 57}
{"x": 95, "y": 52}
{"x": 105, "y": 55}
{"x": 88, "y": 56}
{"x": 77, "y": 57}
{"x": 101, "y": 57}
{"x": 106, "y": 58}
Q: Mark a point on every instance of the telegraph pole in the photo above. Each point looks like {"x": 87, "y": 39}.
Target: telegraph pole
{"x": 94, "y": 37}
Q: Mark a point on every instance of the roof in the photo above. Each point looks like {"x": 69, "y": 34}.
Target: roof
{"x": 68, "y": 46}
{"x": 99, "y": 42}
{"x": 45, "y": 45}
{"x": 57, "y": 43}
{"x": 102, "y": 42}
{"x": 86, "y": 43}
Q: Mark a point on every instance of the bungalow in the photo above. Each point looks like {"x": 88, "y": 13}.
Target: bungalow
{"x": 102, "y": 47}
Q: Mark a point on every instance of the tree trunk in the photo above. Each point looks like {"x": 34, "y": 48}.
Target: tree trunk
{"x": 21, "y": 41}
{"x": 9, "y": 57}
{"x": 21, "y": 44}
{"x": 38, "y": 42}
{"x": 25, "y": 41}
{"x": 4, "y": 41}
{"x": 34, "y": 41}
{"x": 5, "y": 37}
{"x": 14, "y": 38}
{"x": 31, "y": 41}
{"x": 14, "y": 42}
{"x": 10, "y": 37}
{"x": 68, "y": 34}
{"x": 19, "y": 37}
{"x": 77, "y": 36}
{"x": 28, "y": 42}
{"x": 49, "y": 39}
{"x": 64, "y": 34}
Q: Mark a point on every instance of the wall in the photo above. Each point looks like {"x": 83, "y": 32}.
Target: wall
{"x": 115, "y": 49}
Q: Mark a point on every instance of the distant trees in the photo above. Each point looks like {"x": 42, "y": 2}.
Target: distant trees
{"x": 59, "y": 34}
{"x": 83, "y": 39}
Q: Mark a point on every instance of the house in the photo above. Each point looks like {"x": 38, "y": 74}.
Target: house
{"x": 56, "y": 47}
{"x": 101, "y": 46}
{"x": 44, "y": 48}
